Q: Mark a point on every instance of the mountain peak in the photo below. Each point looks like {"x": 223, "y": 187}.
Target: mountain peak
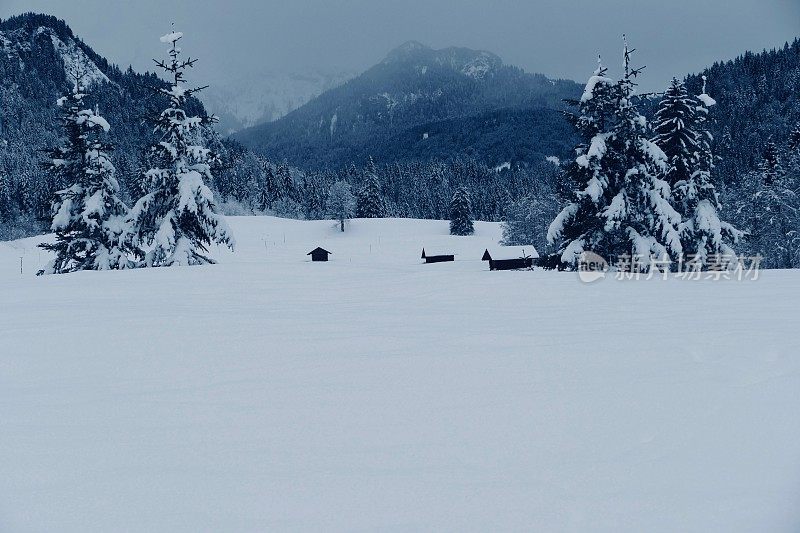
{"x": 405, "y": 50}
{"x": 473, "y": 63}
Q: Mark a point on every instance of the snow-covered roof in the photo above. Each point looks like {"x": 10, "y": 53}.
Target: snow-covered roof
{"x": 430, "y": 252}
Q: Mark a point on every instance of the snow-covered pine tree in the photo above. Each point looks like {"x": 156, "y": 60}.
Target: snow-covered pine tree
{"x": 525, "y": 221}
{"x": 5, "y": 197}
{"x": 341, "y": 203}
{"x": 771, "y": 166}
{"x": 681, "y": 132}
{"x": 88, "y": 216}
{"x": 370, "y": 202}
{"x": 268, "y": 192}
{"x": 794, "y": 139}
{"x": 674, "y": 132}
{"x": 620, "y": 206}
{"x": 461, "y": 213}
{"x": 774, "y": 212}
{"x": 177, "y": 219}
{"x": 286, "y": 186}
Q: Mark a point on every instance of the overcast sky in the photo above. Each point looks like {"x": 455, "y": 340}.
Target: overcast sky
{"x": 559, "y": 38}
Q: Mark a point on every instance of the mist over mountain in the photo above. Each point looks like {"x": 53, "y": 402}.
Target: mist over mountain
{"x": 266, "y": 96}
{"x": 422, "y": 102}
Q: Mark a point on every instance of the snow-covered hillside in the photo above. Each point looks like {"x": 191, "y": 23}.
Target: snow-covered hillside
{"x": 374, "y": 392}
{"x": 15, "y": 43}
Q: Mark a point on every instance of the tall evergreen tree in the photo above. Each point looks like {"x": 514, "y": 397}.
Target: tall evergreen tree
{"x": 461, "y": 213}
{"x": 177, "y": 219}
{"x": 268, "y": 192}
{"x": 774, "y": 213}
{"x": 674, "y": 133}
{"x": 794, "y": 139}
{"x": 681, "y": 132}
{"x": 620, "y": 206}
{"x": 88, "y": 216}
{"x": 370, "y": 202}
{"x": 5, "y": 197}
{"x": 771, "y": 166}
{"x": 285, "y": 184}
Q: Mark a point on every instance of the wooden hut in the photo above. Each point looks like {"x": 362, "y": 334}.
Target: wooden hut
{"x": 319, "y": 254}
{"x": 437, "y": 258}
{"x": 516, "y": 263}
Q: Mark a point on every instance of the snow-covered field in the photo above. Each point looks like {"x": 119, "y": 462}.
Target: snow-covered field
{"x": 376, "y": 393}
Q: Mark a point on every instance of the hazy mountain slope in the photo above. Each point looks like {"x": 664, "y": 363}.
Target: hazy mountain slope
{"x": 414, "y": 86}
{"x": 264, "y": 97}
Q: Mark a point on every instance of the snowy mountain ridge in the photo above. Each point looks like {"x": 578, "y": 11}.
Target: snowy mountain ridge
{"x": 74, "y": 59}
{"x": 476, "y": 64}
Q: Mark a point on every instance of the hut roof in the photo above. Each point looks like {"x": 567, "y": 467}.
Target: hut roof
{"x": 511, "y": 252}
{"x": 317, "y": 250}
{"x": 437, "y": 251}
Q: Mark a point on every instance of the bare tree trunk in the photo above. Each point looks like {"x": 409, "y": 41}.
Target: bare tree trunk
{"x": 341, "y": 223}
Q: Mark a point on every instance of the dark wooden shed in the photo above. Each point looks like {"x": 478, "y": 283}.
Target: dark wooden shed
{"x": 508, "y": 264}
{"x": 437, "y": 258}
{"x": 319, "y": 254}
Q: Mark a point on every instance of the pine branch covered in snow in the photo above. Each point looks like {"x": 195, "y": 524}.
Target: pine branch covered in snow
{"x": 177, "y": 219}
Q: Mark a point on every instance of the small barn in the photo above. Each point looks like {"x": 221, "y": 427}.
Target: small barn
{"x": 526, "y": 258}
{"x": 439, "y": 258}
{"x": 319, "y": 254}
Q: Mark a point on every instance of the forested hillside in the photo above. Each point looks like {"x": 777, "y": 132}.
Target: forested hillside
{"x": 420, "y": 103}
{"x": 758, "y": 101}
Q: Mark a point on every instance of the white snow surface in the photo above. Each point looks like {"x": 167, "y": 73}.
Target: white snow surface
{"x": 377, "y": 393}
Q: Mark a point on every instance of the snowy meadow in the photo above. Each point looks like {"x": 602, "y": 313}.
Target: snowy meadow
{"x": 375, "y": 392}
